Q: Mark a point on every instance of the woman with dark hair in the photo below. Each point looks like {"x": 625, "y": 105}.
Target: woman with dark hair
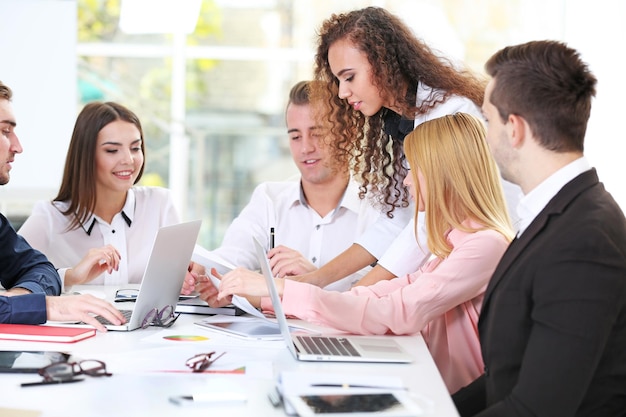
{"x": 379, "y": 77}
{"x": 98, "y": 228}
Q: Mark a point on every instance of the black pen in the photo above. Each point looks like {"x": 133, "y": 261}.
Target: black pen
{"x": 271, "y": 238}
{"x": 356, "y": 386}
{"x": 59, "y": 381}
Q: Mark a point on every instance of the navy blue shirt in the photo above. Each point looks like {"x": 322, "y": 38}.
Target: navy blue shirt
{"x": 24, "y": 267}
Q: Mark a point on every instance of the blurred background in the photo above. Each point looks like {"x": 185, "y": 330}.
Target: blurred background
{"x": 209, "y": 80}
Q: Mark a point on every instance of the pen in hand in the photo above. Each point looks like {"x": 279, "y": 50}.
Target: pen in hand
{"x": 271, "y": 238}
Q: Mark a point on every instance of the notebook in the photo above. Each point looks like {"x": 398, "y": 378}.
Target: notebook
{"x": 36, "y": 333}
{"x": 164, "y": 274}
{"x": 334, "y": 348}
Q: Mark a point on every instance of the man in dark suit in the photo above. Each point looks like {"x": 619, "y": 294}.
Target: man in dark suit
{"x": 31, "y": 282}
{"x": 553, "y": 321}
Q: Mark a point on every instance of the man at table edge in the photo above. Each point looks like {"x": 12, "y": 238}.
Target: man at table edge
{"x": 32, "y": 283}
{"x": 553, "y": 322}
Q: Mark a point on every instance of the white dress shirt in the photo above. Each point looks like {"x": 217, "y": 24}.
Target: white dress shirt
{"x": 281, "y": 205}
{"x": 538, "y": 198}
{"x": 403, "y": 255}
{"x": 131, "y": 232}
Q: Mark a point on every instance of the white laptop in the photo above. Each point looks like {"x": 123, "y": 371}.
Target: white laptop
{"x": 333, "y": 348}
{"x": 164, "y": 275}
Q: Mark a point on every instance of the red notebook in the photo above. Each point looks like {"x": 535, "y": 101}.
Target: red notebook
{"x": 35, "y": 333}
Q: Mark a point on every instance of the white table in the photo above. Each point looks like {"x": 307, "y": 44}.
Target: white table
{"x": 148, "y": 369}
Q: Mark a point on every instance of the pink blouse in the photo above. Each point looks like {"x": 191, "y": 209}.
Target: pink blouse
{"x": 442, "y": 300}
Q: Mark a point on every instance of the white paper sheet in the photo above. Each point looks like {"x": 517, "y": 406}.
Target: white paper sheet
{"x": 211, "y": 260}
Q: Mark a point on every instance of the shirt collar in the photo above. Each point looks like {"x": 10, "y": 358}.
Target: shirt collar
{"x": 398, "y": 126}
{"x": 538, "y": 198}
{"x": 350, "y": 199}
{"x": 301, "y": 198}
{"x": 128, "y": 213}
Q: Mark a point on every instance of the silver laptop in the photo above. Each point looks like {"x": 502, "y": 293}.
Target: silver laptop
{"x": 334, "y": 348}
{"x": 165, "y": 273}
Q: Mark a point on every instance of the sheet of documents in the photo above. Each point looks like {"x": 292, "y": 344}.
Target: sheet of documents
{"x": 211, "y": 260}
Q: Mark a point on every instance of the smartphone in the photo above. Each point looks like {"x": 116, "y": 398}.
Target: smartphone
{"x": 391, "y": 404}
{"x": 24, "y": 361}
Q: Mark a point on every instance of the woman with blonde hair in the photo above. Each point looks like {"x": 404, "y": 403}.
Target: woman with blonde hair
{"x": 379, "y": 79}
{"x": 455, "y": 182}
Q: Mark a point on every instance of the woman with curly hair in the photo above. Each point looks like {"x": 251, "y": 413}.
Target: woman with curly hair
{"x": 380, "y": 80}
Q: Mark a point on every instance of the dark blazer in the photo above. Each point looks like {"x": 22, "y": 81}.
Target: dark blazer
{"x": 553, "y": 322}
{"x": 22, "y": 266}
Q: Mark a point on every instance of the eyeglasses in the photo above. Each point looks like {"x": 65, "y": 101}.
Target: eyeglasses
{"x": 68, "y": 370}
{"x": 63, "y": 372}
{"x": 160, "y": 318}
{"x": 202, "y": 361}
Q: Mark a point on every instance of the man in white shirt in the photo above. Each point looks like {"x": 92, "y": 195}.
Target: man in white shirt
{"x": 314, "y": 218}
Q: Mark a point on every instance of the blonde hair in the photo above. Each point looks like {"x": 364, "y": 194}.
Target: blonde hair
{"x": 461, "y": 178}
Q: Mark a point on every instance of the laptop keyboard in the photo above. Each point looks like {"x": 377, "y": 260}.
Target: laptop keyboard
{"x": 125, "y": 313}
{"x": 320, "y": 345}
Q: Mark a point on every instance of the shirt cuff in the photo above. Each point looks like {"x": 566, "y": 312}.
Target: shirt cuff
{"x": 28, "y": 308}
{"x": 62, "y": 272}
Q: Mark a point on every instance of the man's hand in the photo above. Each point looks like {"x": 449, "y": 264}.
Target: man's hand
{"x": 97, "y": 261}
{"x": 285, "y": 262}
{"x": 195, "y": 272}
{"x": 208, "y": 292}
{"x": 82, "y": 308}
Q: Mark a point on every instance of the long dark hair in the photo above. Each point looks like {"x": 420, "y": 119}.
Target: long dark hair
{"x": 78, "y": 186}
